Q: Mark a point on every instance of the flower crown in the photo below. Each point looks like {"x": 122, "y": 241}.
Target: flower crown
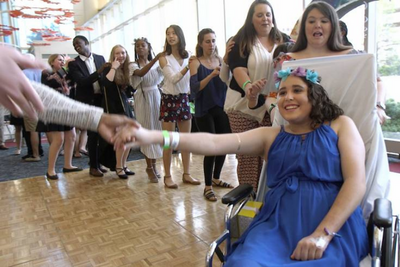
{"x": 282, "y": 75}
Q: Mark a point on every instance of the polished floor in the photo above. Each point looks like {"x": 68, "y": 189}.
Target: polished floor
{"x": 85, "y": 221}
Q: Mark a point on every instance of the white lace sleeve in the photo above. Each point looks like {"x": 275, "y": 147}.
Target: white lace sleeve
{"x": 63, "y": 110}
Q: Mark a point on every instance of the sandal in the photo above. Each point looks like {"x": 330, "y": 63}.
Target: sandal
{"x": 169, "y": 183}
{"x": 222, "y": 184}
{"x": 151, "y": 175}
{"x": 121, "y": 173}
{"x": 209, "y": 195}
{"x": 190, "y": 180}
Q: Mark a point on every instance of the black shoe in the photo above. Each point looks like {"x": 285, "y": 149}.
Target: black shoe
{"x": 128, "y": 171}
{"x": 103, "y": 170}
{"x": 52, "y": 177}
{"x": 77, "y": 169}
{"x": 95, "y": 172}
{"x": 121, "y": 175}
{"x": 27, "y": 156}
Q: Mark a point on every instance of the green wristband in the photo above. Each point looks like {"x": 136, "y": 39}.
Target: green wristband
{"x": 167, "y": 140}
{"x": 245, "y": 83}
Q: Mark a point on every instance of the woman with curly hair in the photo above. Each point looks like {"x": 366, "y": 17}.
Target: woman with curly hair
{"x": 316, "y": 175}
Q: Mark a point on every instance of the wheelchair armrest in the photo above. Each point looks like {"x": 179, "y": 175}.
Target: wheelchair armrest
{"x": 237, "y": 194}
{"x": 382, "y": 212}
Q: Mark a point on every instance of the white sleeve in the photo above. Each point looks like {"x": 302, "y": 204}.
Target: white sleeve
{"x": 225, "y": 73}
{"x": 170, "y": 75}
{"x": 63, "y": 110}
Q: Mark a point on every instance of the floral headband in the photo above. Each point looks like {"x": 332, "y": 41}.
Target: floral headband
{"x": 282, "y": 75}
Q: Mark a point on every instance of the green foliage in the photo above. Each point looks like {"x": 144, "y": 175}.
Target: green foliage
{"x": 390, "y": 67}
{"x": 393, "y": 111}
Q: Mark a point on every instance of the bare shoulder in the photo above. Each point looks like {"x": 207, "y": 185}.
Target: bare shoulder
{"x": 343, "y": 122}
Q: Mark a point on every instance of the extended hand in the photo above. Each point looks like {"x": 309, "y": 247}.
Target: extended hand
{"x": 110, "y": 124}
{"x": 255, "y": 89}
{"x": 16, "y": 92}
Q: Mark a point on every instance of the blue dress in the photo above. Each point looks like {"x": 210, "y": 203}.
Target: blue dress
{"x": 304, "y": 174}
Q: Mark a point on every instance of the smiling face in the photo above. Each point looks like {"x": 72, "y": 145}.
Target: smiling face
{"x": 172, "y": 37}
{"x": 262, "y": 19}
{"x": 120, "y": 54}
{"x": 58, "y": 63}
{"x": 209, "y": 44}
{"x": 142, "y": 48}
{"x": 81, "y": 47}
{"x": 293, "y": 101}
{"x": 318, "y": 28}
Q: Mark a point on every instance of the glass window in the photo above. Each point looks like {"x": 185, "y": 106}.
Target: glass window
{"x": 388, "y": 57}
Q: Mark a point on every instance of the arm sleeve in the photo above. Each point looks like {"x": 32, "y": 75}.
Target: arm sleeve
{"x": 135, "y": 80}
{"x": 171, "y": 75}
{"x": 225, "y": 73}
{"x": 194, "y": 86}
{"x": 63, "y": 110}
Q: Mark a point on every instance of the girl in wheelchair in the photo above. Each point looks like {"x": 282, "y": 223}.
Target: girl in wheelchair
{"x": 316, "y": 175}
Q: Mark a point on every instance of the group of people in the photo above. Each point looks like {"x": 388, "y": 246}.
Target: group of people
{"x": 313, "y": 199}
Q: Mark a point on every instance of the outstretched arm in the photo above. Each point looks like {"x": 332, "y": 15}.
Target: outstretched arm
{"x": 143, "y": 71}
{"x": 254, "y": 142}
{"x": 63, "y": 110}
{"x": 352, "y": 157}
{"x": 16, "y": 93}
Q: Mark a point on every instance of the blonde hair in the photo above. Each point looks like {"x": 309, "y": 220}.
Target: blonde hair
{"x": 52, "y": 58}
{"x": 122, "y": 73}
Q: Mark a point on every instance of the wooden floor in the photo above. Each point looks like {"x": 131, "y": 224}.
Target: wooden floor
{"x": 85, "y": 221}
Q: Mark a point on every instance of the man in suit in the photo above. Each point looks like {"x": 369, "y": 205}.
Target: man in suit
{"x": 86, "y": 70}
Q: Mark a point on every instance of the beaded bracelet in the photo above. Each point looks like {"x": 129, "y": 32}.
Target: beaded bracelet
{"x": 167, "y": 140}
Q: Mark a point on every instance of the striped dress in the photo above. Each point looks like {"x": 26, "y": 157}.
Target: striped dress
{"x": 147, "y": 104}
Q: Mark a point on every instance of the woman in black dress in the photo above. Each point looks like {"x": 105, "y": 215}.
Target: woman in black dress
{"x": 58, "y": 79}
{"x": 116, "y": 93}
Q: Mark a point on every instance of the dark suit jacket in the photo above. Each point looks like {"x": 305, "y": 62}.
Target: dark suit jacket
{"x": 84, "y": 80}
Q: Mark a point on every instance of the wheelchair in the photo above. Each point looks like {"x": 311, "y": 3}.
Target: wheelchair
{"x": 348, "y": 93}
{"x": 383, "y": 230}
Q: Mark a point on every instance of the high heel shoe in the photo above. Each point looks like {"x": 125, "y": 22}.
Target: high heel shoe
{"x": 151, "y": 175}
{"x": 121, "y": 174}
{"x": 155, "y": 171}
{"x": 128, "y": 171}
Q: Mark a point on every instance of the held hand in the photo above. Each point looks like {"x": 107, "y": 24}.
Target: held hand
{"x": 132, "y": 136}
{"x": 311, "y": 248}
{"x": 16, "y": 92}
{"x": 110, "y": 124}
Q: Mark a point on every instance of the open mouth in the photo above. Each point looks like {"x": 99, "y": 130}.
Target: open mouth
{"x": 291, "y": 107}
{"x": 317, "y": 34}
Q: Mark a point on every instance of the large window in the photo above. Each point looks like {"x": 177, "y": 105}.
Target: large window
{"x": 388, "y": 55}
